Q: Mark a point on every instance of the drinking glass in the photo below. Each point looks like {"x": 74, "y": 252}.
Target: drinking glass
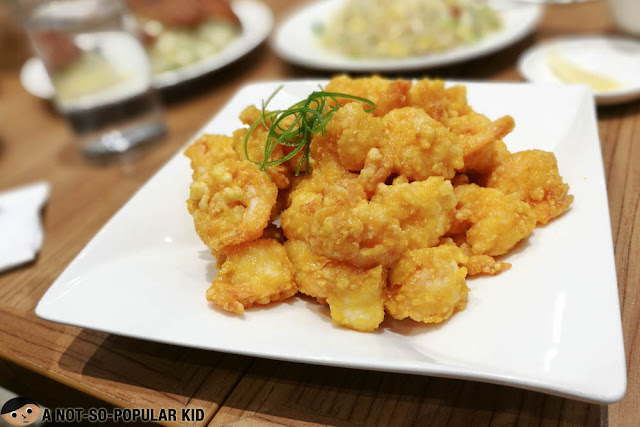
{"x": 99, "y": 69}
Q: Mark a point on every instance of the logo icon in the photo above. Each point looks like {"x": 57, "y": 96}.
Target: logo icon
{"x": 20, "y": 411}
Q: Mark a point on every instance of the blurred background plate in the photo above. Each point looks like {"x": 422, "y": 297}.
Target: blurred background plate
{"x": 256, "y": 19}
{"x": 596, "y": 59}
{"x": 296, "y": 42}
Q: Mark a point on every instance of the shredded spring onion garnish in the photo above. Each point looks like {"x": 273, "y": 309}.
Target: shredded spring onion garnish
{"x": 310, "y": 117}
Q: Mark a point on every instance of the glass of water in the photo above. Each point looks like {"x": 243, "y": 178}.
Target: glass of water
{"x": 99, "y": 69}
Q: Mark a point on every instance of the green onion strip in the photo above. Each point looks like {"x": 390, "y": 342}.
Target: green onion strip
{"x": 311, "y": 116}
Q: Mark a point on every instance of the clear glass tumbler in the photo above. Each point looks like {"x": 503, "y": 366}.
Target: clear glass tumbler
{"x": 99, "y": 69}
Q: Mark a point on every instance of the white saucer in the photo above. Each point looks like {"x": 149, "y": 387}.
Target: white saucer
{"x": 614, "y": 57}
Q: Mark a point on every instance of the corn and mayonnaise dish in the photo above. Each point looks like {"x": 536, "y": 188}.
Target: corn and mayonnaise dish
{"x": 400, "y": 29}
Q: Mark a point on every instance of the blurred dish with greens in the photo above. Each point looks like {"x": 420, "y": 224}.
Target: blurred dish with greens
{"x": 187, "y": 43}
{"x": 379, "y": 35}
{"x": 176, "y": 37}
{"x": 383, "y": 29}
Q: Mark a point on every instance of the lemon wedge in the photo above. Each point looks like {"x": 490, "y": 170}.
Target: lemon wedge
{"x": 569, "y": 72}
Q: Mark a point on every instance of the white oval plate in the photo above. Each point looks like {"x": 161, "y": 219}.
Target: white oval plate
{"x": 295, "y": 41}
{"x": 256, "y": 19}
{"x": 614, "y": 57}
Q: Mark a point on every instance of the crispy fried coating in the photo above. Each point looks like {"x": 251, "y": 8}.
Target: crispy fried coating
{"x": 310, "y": 275}
{"x": 377, "y": 168}
{"x": 330, "y": 211}
{"x": 427, "y": 285}
{"x": 392, "y": 211}
{"x": 336, "y": 219}
{"x": 323, "y": 154}
{"x": 354, "y": 295}
{"x": 367, "y": 87}
{"x": 365, "y": 235}
{"x": 207, "y": 151}
{"x": 395, "y": 96}
{"x": 257, "y": 272}
{"x": 231, "y": 203}
{"x": 481, "y": 163}
{"x": 424, "y": 209}
{"x": 279, "y": 174}
{"x": 533, "y": 176}
{"x": 327, "y": 191}
{"x": 303, "y": 201}
{"x": 484, "y": 264}
{"x": 419, "y": 146}
{"x": 475, "y": 131}
{"x": 492, "y": 221}
{"x": 356, "y": 132}
{"x": 475, "y": 264}
{"x": 438, "y": 102}
{"x": 385, "y": 94}
{"x": 250, "y": 115}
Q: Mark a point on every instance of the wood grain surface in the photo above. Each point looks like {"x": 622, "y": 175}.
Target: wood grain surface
{"x": 36, "y": 144}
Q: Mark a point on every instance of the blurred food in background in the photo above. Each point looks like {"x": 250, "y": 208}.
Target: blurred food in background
{"x": 177, "y": 35}
{"x": 56, "y": 48}
{"x": 74, "y": 72}
{"x": 570, "y": 72}
{"x": 90, "y": 58}
{"x": 385, "y": 29}
{"x": 99, "y": 71}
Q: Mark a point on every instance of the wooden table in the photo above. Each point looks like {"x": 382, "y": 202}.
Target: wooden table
{"x": 68, "y": 366}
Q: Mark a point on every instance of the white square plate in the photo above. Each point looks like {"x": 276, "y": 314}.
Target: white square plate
{"x": 550, "y": 323}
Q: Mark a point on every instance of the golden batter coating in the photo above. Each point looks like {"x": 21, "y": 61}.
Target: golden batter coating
{"x": 492, "y": 221}
{"x": 279, "y": 174}
{"x": 231, "y": 203}
{"x": 396, "y": 208}
{"x": 533, "y": 176}
{"x": 365, "y": 235}
{"x": 327, "y": 191}
{"x": 257, "y": 272}
{"x": 354, "y": 295}
{"x": 475, "y": 131}
{"x": 209, "y": 150}
{"x": 311, "y": 276}
{"x": 475, "y": 264}
{"x": 427, "y": 285}
{"x": 356, "y": 132}
{"x": 481, "y": 163}
{"x": 439, "y": 103}
{"x": 424, "y": 209}
{"x": 377, "y": 168}
{"x": 484, "y": 264}
{"x": 419, "y": 146}
{"x": 385, "y": 94}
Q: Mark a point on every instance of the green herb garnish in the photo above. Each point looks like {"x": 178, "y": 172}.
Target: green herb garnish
{"x": 310, "y": 117}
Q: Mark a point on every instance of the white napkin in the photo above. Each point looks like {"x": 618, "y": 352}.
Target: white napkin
{"x": 21, "y": 229}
